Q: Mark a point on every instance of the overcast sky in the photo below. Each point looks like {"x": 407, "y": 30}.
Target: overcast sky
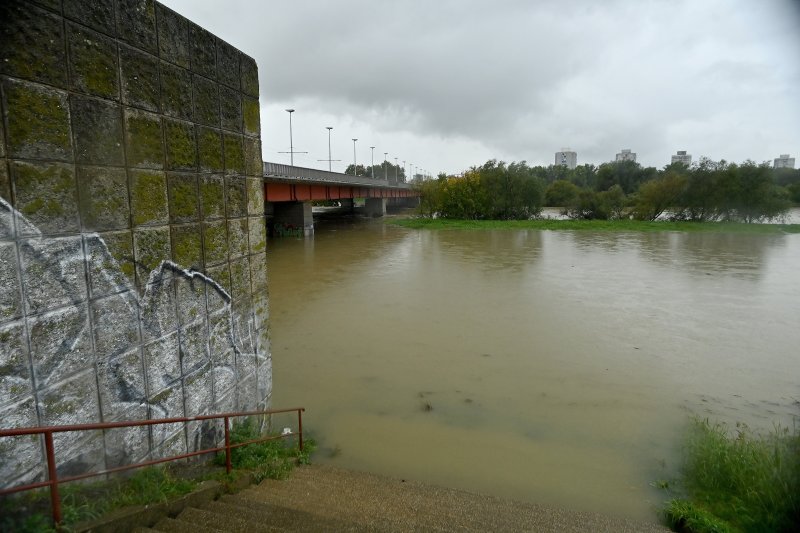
{"x": 448, "y": 84}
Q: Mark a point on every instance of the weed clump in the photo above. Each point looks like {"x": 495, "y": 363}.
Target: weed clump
{"x": 738, "y": 481}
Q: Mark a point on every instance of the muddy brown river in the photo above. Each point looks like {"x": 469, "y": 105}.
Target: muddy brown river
{"x": 552, "y": 367}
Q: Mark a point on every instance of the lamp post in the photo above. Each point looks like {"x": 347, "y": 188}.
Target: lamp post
{"x": 329, "y": 128}
{"x": 384, "y": 165}
{"x": 291, "y": 146}
{"x": 355, "y": 168}
{"x": 395, "y": 170}
{"x": 372, "y": 167}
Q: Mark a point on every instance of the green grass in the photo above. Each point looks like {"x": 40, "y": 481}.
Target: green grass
{"x": 597, "y": 225}
{"x": 739, "y": 480}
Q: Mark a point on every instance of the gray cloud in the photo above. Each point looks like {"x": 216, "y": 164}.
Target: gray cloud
{"x": 520, "y": 79}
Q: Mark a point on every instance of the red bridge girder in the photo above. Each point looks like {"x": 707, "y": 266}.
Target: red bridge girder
{"x": 290, "y": 192}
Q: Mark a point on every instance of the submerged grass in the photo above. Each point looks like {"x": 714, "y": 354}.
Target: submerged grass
{"x": 597, "y": 225}
{"x": 738, "y": 481}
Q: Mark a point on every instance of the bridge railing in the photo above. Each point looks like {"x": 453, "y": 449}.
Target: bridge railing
{"x": 278, "y": 170}
{"x": 52, "y": 472}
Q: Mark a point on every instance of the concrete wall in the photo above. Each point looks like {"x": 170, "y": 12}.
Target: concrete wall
{"x": 132, "y": 238}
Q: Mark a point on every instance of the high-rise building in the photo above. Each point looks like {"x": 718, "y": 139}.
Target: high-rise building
{"x": 682, "y": 157}
{"x": 784, "y": 161}
{"x": 626, "y": 155}
{"x": 567, "y": 158}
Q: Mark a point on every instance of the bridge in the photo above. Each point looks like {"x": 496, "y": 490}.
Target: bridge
{"x": 289, "y": 191}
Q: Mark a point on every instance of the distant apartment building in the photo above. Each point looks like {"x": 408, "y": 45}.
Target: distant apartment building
{"x": 567, "y": 158}
{"x": 682, "y": 157}
{"x": 626, "y": 155}
{"x": 784, "y": 161}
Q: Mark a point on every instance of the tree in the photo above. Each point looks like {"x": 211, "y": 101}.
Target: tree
{"x": 360, "y": 170}
{"x": 657, "y": 195}
{"x": 561, "y": 193}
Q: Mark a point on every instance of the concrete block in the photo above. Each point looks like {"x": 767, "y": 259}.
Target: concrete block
{"x": 215, "y": 242}
{"x": 183, "y": 198}
{"x": 53, "y": 273}
{"x": 176, "y": 91}
{"x": 193, "y": 341}
{"x": 258, "y": 274}
{"x": 191, "y": 301}
{"x": 221, "y": 274}
{"x": 173, "y": 36}
{"x": 149, "y": 205}
{"x": 32, "y": 43}
{"x": 224, "y": 376}
{"x": 97, "y": 14}
{"x": 228, "y": 72}
{"x": 15, "y": 376}
{"x": 209, "y": 150}
{"x": 93, "y": 62}
{"x": 253, "y": 165}
{"x": 72, "y": 401}
{"x": 45, "y": 194}
{"x": 52, "y": 5}
{"x": 257, "y": 230}
{"x": 226, "y": 402}
{"x": 21, "y": 458}
{"x": 237, "y": 238}
{"x": 79, "y": 455}
{"x": 98, "y": 131}
{"x": 136, "y": 23}
{"x": 251, "y": 112}
{"x": 181, "y": 145}
{"x": 206, "y": 101}
{"x": 103, "y": 193}
{"x": 122, "y": 384}
{"x": 198, "y": 391}
{"x": 255, "y": 196}
{"x": 212, "y": 197}
{"x": 110, "y": 263}
{"x": 246, "y": 391}
{"x": 187, "y": 250}
{"x": 162, "y": 363}
{"x": 240, "y": 279}
{"x": 230, "y": 109}
{"x": 38, "y": 121}
{"x": 145, "y": 146}
{"x": 234, "y": 153}
{"x": 10, "y": 295}
{"x": 124, "y": 446}
{"x": 151, "y": 246}
{"x": 61, "y": 345}
{"x": 220, "y": 333}
{"x": 264, "y": 380}
{"x": 168, "y": 440}
{"x": 235, "y": 196}
{"x": 202, "y": 51}
{"x": 249, "y": 71}
{"x": 115, "y": 324}
{"x": 157, "y": 310}
{"x": 139, "y": 77}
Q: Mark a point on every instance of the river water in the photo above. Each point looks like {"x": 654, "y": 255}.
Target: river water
{"x": 552, "y": 367}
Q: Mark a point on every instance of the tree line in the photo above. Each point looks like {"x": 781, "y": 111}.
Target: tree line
{"x": 705, "y": 191}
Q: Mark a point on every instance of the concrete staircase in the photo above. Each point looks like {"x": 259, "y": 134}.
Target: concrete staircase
{"x": 323, "y": 498}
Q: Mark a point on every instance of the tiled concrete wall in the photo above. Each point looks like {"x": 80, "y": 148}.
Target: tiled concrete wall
{"x": 132, "y": 238}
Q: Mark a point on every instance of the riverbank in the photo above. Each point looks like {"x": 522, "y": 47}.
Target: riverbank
{"x": 597, "y": 225}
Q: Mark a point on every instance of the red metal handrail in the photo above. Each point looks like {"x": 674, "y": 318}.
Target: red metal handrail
{"x": 52, "y": 474}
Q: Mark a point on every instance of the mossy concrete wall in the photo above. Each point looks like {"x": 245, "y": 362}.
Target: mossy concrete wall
{"x": 132, "y": 237}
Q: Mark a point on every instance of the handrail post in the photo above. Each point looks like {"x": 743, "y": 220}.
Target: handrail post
{"x": 227, "y": 447}
{"x": 300, "y": 428}
{"x": 52, "y": 477}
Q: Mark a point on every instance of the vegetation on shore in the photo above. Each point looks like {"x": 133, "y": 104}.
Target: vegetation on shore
{"x": 597, "y": 225}
{"x": 738, "y": 481}
{"x": 707, "y": 191}
{"x": 81, "y": 502}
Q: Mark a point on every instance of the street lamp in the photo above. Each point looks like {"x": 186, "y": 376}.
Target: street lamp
{"x": 329, "y": 160}
{"x": 372, "y": 168}
{"x": 355, "y": 169}
{"x": 291, "y": 146}
{"x": 384, "y": 165}
{"x": 395, "y": 170}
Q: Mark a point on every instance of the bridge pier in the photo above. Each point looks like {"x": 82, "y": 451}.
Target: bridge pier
{"x": 288, "y": 215}
{"x": 375, "y": 207}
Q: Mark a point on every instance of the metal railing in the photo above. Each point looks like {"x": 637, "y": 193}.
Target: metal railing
{"x": 52, "y": 475}
{"x": 278, "y": 170}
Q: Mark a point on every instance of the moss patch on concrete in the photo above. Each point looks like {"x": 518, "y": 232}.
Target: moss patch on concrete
{"x": 234, "y": 153}
{"x": 183, "y": 198}
{"x": 212, "y": 197}
{"x": 151, "y": 247}
{"x": 176, "y": 91}
{"x": 255, "y": 196}
{"x": 209, "y": 150}
{"x": 97, "y": 125}
{"x": 253, "y": 165}
{"x": 206, "y": 101}
{"x": 46, "y": 194}
{"x": 103, "y": 195}
{"x": 237, "y": 237}
{"x": 215, "y": 242}
{"x": 103, "y": 267}
{"x": 181, "y": 146}
{"x": 140, "y": 86}
{"x": 187, "y": 250}
{"x": 257, "y": 231}
{"x": 93, "y": 63}
{"x": 145, "y": 147}
{"x": 252, "y": 116}
{"x": 148, "y": 197}
{"x": 240, "y": 279}
{"x": 235, "y": 196}
{"x": 38, "y": 121}
{"x": 24, "y": 51}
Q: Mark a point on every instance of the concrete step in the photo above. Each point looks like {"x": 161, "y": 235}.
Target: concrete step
{"x": 172, "y": 525}
{"x": 224, "y": 519}
{"x": 278, "y": 518}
